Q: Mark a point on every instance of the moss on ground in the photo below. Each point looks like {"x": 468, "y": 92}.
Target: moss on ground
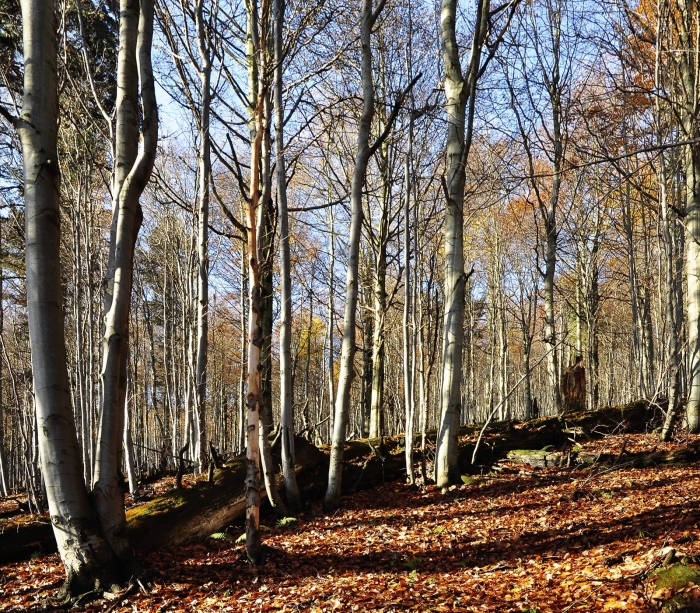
{"x": 677, "y": 576}
{"x": 676, "y": 579}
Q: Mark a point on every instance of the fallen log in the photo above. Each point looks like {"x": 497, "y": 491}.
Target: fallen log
{"x": 183, "y": 515}
{"x": 542, "y": 458}
{"x": 25, "y": 537}
{"x": 503, "y": 436}
{"x": 176, "y": 517}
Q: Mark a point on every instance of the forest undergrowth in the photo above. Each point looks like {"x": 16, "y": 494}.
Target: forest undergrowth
{"x": 523, "y": 540}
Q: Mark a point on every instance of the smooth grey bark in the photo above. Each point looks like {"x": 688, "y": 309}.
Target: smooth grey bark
{"x": 548, "y": 64}
{"x": 88, "y": 560}
{"x": 549, "y": 211}
{"x": 669, "y": 266}
{"x": 689, "y": 102}
{"x": 134, "y": 70}
{"x": 266, "y": 242}
{"x": 637, "y": 293}
{"x": 347, "y": 371}
{"x": 459, "y": 90}
{"x": 527, "y": 313}
{"x": 422, "y": 391}
{"x": 196, "y": 51}
{"x": 129, "y": 458}
{"x": 363, "y": 154}
{"x": 286, "y": 367}
{"x": 692, "y": 226}
{"x": 203, "y": 179}
{"x": 265, "y": 237}
{"x": 4, "y": 475}
{"x": 408, "y": 335}
{"x": 331, "y": 321}
{"x": 409, "y": 310}
{"x": 364, "y": 298}
{"x": 379, "y": 298}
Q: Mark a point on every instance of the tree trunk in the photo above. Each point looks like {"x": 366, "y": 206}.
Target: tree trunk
{"x": 456, "y": 92}
{"x": 286, "y": 390}
{"x": 409, "y": 354}
{"x": 691, "y": 126}
{"x": 88, "y": 560}
{"x": 134, "y": 69}
{"x": 265, "y": 247}
{"x": 377, "y": 397}
{"x": 347, "y": 371}
{"x": 331, "y": 324}
{"x": 255, "y": 341}
{"x": 4, "y": 475}
{"x": 129, "y": 459}
{"x": 255, "y": 52}
{"x": 203, "y": 178}
{"x": 241, "y": 439}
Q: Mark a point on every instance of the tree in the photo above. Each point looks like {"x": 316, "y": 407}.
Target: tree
{"x": 286, "y": 390}
{"x": 132, "y": 171}
{"x": 255, "y": 45}
{"x": 364, "y": 152}
{"x": 460, "y": 96}
{"x": 89, "y": 561}
{"x": 686, "y": 65}
{"x": 203, "y": 180}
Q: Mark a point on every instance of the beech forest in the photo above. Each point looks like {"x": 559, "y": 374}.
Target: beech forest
{"x": 384, "y": 305}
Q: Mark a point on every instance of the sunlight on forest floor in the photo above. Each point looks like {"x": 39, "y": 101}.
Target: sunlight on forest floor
{"x": 535, "y": 541}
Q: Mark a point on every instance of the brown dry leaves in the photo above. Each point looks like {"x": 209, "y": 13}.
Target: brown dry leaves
{"x": 541, "y": 541}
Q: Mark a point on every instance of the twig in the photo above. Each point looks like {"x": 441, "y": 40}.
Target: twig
{"x": 622, "y": 450}
{"x": 313, "y": 427}
{"x": 120, "y": 597}
{"x": 496, "y": 568}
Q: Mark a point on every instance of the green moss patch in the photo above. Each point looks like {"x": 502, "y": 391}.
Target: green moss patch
{"x": 676, "y": 577}
{"x": 673, "y": 592}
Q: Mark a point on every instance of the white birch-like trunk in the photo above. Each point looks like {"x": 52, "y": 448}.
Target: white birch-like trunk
{"x": 129, "y": 458}
{"x": 134, "y": 69}
{"x": 203, "y": 178}
{"x": 377, "y": 393}
{"x": 286, "y": 366}
{"x": 266, "y": 239}
{"x": 255, "y": 336}
{"x": 409, "y": 310}
{"x": 690, "y": 108}
{"x": 331, "y": 322}
{"x": 456, "y": 93}
{"x": 408, "y": 337}
{"x": 347, "y": 371}
{"x": 460, "y": 94}
{"x": 89, "y": 562}
{"x": 255, "y": 48}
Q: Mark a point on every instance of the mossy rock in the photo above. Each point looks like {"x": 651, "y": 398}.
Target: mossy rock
{"x": 675, "y": 578}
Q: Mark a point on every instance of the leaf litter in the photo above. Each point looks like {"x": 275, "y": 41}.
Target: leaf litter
{"x": 547, "y": 540}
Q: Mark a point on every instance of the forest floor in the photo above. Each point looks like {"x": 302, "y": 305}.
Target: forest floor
{"x": 523, "y": 540}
